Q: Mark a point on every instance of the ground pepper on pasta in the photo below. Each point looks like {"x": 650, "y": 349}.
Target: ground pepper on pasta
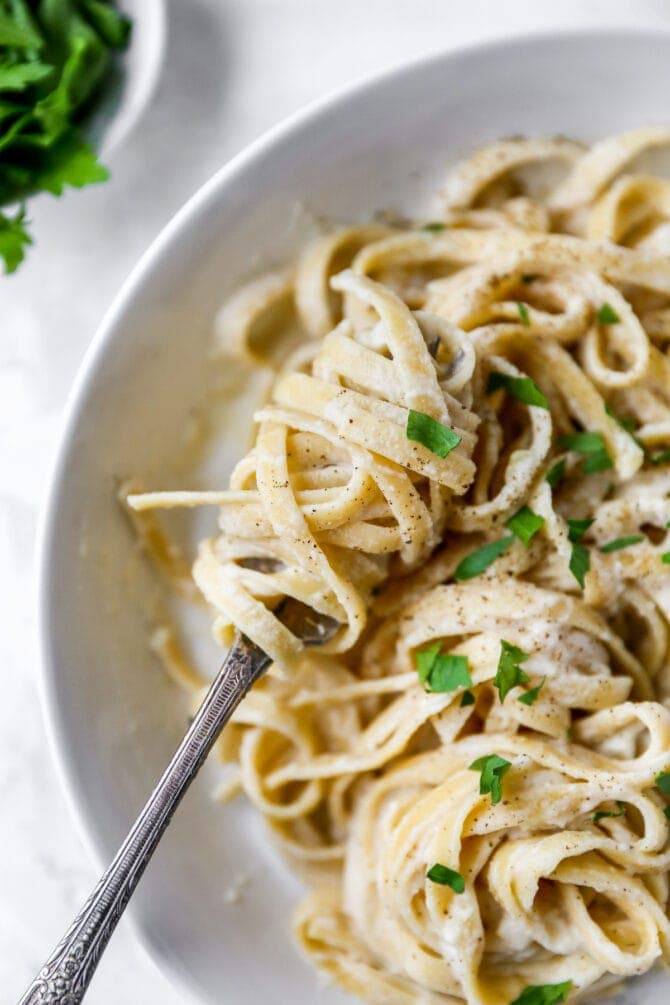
{"x": 465, "y": 461}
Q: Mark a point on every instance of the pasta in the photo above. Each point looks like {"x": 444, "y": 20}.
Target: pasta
{"x": 464, "y": 461}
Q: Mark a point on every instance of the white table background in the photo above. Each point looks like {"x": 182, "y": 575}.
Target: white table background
{"x": 232, "y": 69}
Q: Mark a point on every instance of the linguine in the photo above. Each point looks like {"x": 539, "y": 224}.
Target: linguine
{"x": 465, "y": 462}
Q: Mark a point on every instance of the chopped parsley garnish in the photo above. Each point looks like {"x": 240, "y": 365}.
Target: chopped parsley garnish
{"x": 522, "y": 389}
{"x": 577, "y": 528}
{"x": 467, "y": 699}
{"x": 525, "y": 524}
{"x": 665, "y": 558}
{"x": 523, "y": 314}
{"x": 580, "y": 558}
{"x": 666, "y": 811}
{"x": 580, "y": 562}
{"x": 530, "y": 697}
{"x": 601, "y": 814}
{"x": 445, "y": 876}
{"x": 662, "y": 458}
{"x": 625, "y": 422}
{"x": 449, "y": 672}
{"x": 585, "y": 442}
{"x": 556, "y": 474}
{"x": 423, "y": 429}
{"x": 663, "y": 782}
{"x": 509, "y": 672}
{"x": 478, "y": 561}
{"x": 600, "y": 460}
{"x": 424, "y": 660}
{"x": 592, "y": 444}
{"x": 54, "y": 59}
{"x": 544, "y": 994}
{"x": 493, "y": 768}
{"x": 442, "y": 673}
{"x": 434, "y": 227}
{"x": 607, "y": 315}
{"x": 621, "y": 542}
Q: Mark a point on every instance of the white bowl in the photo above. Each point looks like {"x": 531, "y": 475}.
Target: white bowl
{"x": 133, "y": 79}
{"x": 114, "y": 718}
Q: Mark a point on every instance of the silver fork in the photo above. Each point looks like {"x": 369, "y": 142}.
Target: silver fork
{"x": 66, "y": 975}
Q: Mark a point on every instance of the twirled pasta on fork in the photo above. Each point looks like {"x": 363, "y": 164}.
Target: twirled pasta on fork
{"x": 464, "y": 461}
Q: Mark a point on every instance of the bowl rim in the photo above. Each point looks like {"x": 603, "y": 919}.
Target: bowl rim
{"x": 125, "y": 120}
{"x": 104, "y": 337}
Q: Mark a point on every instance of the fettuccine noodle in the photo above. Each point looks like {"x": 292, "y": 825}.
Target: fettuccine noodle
{"x": 464, "y": 462}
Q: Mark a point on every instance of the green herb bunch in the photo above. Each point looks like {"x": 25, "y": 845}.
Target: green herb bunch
{"x": 54, "y": 58}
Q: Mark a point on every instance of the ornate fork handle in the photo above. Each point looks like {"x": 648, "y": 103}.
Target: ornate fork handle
{"x": 66, "y": 975}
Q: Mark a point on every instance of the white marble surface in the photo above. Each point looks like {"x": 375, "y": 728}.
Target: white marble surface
{"x": 233, "y": 68}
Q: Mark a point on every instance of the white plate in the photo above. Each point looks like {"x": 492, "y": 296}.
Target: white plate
{"x": 114, "y": 717}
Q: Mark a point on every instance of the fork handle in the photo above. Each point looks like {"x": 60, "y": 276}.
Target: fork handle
{"x": 67, "y": 973}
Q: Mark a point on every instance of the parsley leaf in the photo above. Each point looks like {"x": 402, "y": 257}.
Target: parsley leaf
{"x": 19, "y": 76}
{"x": 449, "y": 672}
{"x": 112, "y": 26}
{"x": 425, "y": 659}
{"x": 601, "y": 814}
{"x": 525, "y": 524}
{"x": 625, "y": 422}
{"x": 18, "y": 33}
{"x": 607, "y": 315}
{"x": 592, "y": 444}
{"x": 600, "y": 460}
{"x": 422, "y": 428}
{"x": 445, "y": 876}
{"x": 665, "y": 558}
{"x": 70, "y": 162}
{"x": 442, "y": 673}
{"x": 663, "y": 782}
{"x": 586, "y": 442}
{"x": 577, "y": 528}
{"x": 530, "y": 697}
{"x": 435, "y": 227}
{"x": 580, "y": 562}
{"x": 493, "y": 768}
{"x": 522, "y": 389}
{"x": 544, "y": 994}
{"x": 467, "y": 699}
{"x": 621, "y": 542}
{"x": 478, "y": 561}
{"x": 524, "y": 314}
{"x": 661, "y": 458}
{"x": 509, "y": 672}
{"x": 13, "y": 239}
{"x": 556, "y": 474}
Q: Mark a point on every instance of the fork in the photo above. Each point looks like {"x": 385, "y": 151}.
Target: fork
{"x": 66, "y": 975}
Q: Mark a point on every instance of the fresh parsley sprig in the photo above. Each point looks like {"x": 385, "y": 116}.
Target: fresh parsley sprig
{"x": 54, "y": 58}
